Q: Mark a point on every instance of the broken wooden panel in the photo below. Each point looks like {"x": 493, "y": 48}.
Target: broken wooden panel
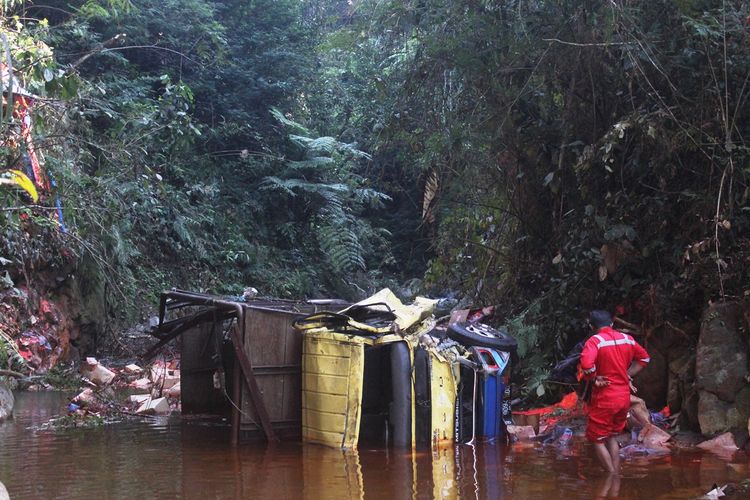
{"x": 274, "y": 348}
{"x": 198, "y": 366}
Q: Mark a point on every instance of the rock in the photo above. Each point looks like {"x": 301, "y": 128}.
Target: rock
{"x": 97, "y": 373}
{"x": 653, "y": 381}
{"x": 158, "y": 406}
{"x": 7, "y": 402}
{"x": 722, "y": 443}
{"x": 721, "y": 357}
{"x": 712, "y": 413}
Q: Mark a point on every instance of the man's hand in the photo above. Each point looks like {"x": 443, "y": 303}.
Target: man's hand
{"x": 601, "y": 381}
{"x": 633, "y": 388}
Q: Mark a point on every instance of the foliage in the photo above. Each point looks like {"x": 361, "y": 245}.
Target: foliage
{"x": 547, "y": 157}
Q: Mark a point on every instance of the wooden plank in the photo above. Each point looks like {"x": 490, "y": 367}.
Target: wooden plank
{"x": 247, "y": 371}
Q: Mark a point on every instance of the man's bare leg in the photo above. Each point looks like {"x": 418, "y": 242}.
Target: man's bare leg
{"x": 613, "y": 448}
{"x": 604, "y": 456}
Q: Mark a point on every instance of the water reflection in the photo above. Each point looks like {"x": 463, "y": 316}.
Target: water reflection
{"x": 171, "y": 458}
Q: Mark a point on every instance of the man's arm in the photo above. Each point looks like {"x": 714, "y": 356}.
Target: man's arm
{"x": 588, "y": 359}
{"x": 640, "y": 360}
{"x": 634, "y": 368}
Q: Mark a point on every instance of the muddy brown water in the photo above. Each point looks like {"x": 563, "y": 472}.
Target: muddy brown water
{"x": 173, "y": 458}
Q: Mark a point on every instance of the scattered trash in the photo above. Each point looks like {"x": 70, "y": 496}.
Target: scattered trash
{"x": 139, "y": 398}
{"x": 141, "y": 383}
{"x": 133, "y": 369}
{"x": 85, "y": 398}
{"x": 566, "y": 437}
{"x": 716, "y": 492}
{"x": 654, "y": 437}
{"x": 72, "y": 407}
{"x": 174, "y": 391}
{"x": 158, "y": 406}
{"x": 720, "y": 444}
{"x": 639, "y": 450}
{"x": 164, "y": 377}
{"x": 97, "y": 373}
{"x": 520, "y": 432}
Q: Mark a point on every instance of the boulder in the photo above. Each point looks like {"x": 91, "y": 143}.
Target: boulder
{"x": 6, "y": 402}
{"x": 712, "y": 413}
{"x": 721, "y": 370}
{"x": 653, "y": 381}
{"x": 721, "y": 357}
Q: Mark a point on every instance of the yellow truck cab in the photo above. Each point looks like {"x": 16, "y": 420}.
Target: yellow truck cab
{"x": 374, "y": 373}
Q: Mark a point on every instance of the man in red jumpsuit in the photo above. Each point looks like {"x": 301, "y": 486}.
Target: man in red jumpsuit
{"x": 609, "y": 358}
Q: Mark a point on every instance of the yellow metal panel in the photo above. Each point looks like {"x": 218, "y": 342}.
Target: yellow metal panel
{"x": 443, "y": 386}
{"x": 330, "y": 403}
{"x": 327, "y": 364}
{"x": 332, "y": 368}
{"x": 354, "y": 399}
{"x": 329, "y": 384}
{"x": 324, "y": 421}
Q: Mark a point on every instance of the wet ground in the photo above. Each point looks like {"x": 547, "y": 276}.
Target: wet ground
{"x": 170, "y": 458}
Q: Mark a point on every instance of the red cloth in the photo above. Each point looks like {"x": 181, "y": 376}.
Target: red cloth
{"x": 606, "y": 421}
{"x": 609, "y": 354}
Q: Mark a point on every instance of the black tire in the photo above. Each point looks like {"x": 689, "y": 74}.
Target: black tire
{"x": 481, "y": 335}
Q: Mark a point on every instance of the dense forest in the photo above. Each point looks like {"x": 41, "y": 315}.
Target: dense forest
{"x": 543, "y": 157}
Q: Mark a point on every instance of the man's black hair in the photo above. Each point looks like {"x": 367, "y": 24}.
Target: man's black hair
{"x": 600, "y": 319}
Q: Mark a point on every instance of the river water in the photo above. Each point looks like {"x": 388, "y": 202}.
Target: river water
{"x": 174, "y": 458}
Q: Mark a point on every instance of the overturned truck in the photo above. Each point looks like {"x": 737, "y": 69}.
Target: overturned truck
{"x": 376, "y": 372}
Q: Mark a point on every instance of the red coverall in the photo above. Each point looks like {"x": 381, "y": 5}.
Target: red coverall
{"x": 609, "y": 354}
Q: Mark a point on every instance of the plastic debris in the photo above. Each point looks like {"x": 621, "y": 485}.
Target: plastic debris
{"x": 566, "y": 437}
{"x": 716, "y": 492}
{"x": 720, "y": 444}
{"x": 521, "y": 432}
{"x": 654, "y": 437}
